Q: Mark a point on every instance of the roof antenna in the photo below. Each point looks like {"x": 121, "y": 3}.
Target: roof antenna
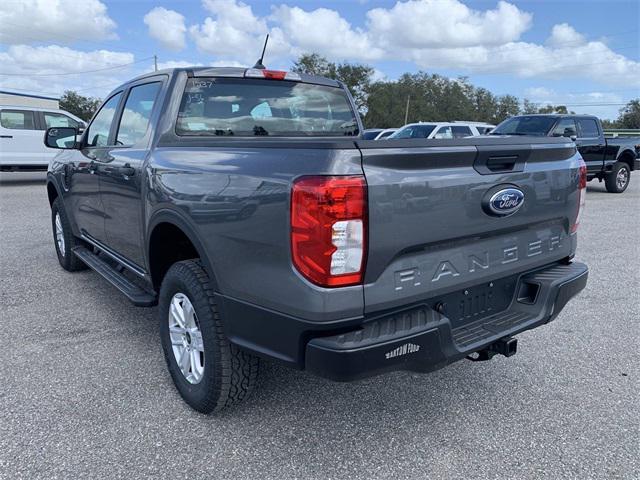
{"x": 259, "y": 64}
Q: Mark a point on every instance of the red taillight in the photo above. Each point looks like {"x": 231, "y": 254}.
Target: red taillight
{"x": 582, "y": 191}
{"x": 329, "y": 228}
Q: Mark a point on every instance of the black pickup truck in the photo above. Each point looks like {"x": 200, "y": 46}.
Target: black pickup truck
{"x": 608, "y": 159}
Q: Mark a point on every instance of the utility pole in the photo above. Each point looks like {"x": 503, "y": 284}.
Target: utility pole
{"x": 406, "y": 112}
{"x": 155, "y": 63}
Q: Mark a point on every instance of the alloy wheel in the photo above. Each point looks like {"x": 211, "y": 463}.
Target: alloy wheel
{"x": 186, "y": 338}
{"x": 59, "y": 234}
{"x": 622, "y": 178}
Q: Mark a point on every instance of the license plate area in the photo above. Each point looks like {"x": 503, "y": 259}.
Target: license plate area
{"x": 477, "y": 302}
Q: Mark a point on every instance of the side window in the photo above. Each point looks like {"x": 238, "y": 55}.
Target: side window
{"x": 137, "y": 113}
{"x": 444, "y": 132}
{"x": 588, "y": 128}
{"x": 461, "y": 132}
{"x": 17, "y": 119}
{"x": 566, "y": 127}
{"x": 98, "y": 132}
{"x": 58, "y": 120}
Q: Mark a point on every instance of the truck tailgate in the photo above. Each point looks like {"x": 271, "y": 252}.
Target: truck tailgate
{"x": 429, "y": 233}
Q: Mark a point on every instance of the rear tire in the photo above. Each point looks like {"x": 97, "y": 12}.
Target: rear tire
{"x": 618, "y": 179}
{"x": 217, "y": 374}
{"x": 63, "y": 238}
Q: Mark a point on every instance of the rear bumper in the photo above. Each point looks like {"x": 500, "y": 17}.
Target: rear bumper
{"x": 421, "y": 339}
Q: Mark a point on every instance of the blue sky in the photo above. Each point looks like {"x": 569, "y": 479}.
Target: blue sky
{"x": 582, "y": 53}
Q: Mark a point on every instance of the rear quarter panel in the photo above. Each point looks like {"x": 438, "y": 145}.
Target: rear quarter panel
{"x": 236, "y": 199}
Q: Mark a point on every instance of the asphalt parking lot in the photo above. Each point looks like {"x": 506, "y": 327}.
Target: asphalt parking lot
{"x": 85, "y": 392}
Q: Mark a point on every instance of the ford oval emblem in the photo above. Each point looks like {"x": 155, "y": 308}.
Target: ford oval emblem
{"x": 506, "y": 202}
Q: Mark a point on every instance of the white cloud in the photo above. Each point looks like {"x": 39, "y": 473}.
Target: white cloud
{"x": 563, "y": 35}
{"x": 177, "y": 64}
{"x": 62, "y": 21}
{"x": 167, "y": 27}
{"x": 28, "y": 68}
{"x": 445, "y": 24}
{"x": 592, "y": 103}
{"x": 433, "y": 34}
{"x": 324, "y": 31}
{"x": 235, "y": 32}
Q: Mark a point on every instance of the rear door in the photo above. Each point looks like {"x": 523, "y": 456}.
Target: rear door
{"x": 591, "y": 144}
{"x": 120, "y": 171}
{"x": 20, "y": 140}
{"x": 429, "y": 230}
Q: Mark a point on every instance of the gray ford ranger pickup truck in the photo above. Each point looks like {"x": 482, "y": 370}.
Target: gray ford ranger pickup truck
{"x": 244, "y": 203}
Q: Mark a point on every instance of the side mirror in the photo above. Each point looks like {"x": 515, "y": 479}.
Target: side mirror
{"x": 569, "y": 132}
{"x": 61, "y": 137}
{"x": 81, "y": 128}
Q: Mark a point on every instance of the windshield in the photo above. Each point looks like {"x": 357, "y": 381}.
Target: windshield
{"x": 414, "y": 131}
{"x": 250, "y": 107}
{"x": 533, "y": 125}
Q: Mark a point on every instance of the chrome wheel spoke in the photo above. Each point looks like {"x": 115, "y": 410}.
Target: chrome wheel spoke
{"x": 186, "y": 338}
{"x": 185, "y": 361}
{"x": 59, "y": 234}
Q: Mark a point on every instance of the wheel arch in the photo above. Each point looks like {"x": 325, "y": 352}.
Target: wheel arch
{"x": 165, "y": 228}
{"x": 627, "y": 156}
{"x": 52, "y": 191}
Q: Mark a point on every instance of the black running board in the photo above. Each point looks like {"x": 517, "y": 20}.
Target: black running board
{"x": 138, "y": 296}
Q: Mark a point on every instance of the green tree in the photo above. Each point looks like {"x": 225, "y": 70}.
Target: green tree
{"x": 630, "y": 115}
{"x": 79, "y": 105}
{"x": 356, "y": 77}
{"x": 508, "y": 106}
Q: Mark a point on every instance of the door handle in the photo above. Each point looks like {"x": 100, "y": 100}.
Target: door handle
{"x": 127, "y": 170}
{"x": 6, "y": 136}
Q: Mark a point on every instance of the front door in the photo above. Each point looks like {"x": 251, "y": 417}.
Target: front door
{"x": 121, "y": 179}
{"x": 81, "y": 178}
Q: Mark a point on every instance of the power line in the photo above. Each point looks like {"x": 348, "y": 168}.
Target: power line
{"x": 76, "y": 73}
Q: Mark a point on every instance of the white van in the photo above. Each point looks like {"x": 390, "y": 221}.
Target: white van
{"x": 22, "y": 132}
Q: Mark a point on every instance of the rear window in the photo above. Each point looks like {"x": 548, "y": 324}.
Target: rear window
{"x": 256, "y": 107}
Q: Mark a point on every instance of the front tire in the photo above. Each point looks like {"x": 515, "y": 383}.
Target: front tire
{"x": 618, "y": 179}
{"x": 63, "y": 238}
{"x": 208, "y": 371}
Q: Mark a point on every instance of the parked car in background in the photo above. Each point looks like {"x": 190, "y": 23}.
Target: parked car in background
{"x": 244, "y": 203}
{"x": 608, "y": 159}
{"x": 442, "y": 130}
{"x": 386, "y": 133}
{"x": 371, "y": 133}
{"x": 21, "y": 133}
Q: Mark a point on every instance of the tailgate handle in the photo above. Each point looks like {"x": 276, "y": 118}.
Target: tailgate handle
{"x": 501, "y": 163}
